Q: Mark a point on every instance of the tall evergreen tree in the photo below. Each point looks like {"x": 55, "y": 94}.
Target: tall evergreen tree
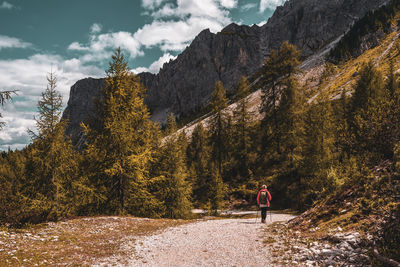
{"x": 343, "y": 135}
{"x": 176, "y": 190}
{"x": 198, "y": 153}
{"x": 368, "y": 89}
{"x": 52, "y": 159}
{"x": 242, "y": 119}
{"x": 216, "y": 189}
{"x": 377, "y": 124}
{"x": 369, "y": 85}
{"x": 218, "y": 126}
{"x": 290, "y": 114}
{"x": 278, "y": 67}
{"x": 120, "y": 148}
{"x": 392, "y": 84}
{"x": 318, "y": 150}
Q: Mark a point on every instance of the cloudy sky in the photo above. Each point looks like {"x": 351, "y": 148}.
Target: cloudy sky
{"x": 75, "y": 39}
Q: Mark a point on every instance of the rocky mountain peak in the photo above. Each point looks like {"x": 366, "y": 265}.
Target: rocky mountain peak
{"x": 185, "y": 84}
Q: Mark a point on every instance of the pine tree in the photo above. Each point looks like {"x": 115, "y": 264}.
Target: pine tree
{"x": 198, "y": 154}
{"x": 242, "y": 119}
{"x": 120, "y": 148}
{"x": 369, "y": 85}
{"x": 176, "y": 190}
{"x": 12, "y": 170}
{"x": 368, "y": 89}
{"x": 218, "y": 126}
{"x": 216, "y": 189}
{"x": 49, "y": 108}
{"x": 290, "y": 115}
{"x": 52, "y": 160}
{"x": 378, "y": 123}
{"x": 277, "y": 68}
{"x": 318, "y": 151}
{"x": 392, "y": 84}
{"x": 343, "y": 135}
{"x": 4, "y": 97}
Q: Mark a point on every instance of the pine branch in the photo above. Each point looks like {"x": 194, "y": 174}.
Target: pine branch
{"x": 6, "y": 96}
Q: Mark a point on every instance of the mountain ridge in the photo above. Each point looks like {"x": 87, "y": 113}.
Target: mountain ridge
{"x": 185, "y": 84}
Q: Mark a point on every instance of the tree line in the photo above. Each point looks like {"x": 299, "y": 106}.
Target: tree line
{"x": 303, "y": 149}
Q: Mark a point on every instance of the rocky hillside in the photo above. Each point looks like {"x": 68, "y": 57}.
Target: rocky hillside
{"x": 185, "y": 84}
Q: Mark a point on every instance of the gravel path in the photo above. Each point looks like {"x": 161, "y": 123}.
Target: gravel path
{"x": 230, "y": 242}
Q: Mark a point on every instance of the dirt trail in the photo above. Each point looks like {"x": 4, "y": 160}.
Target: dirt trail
{"x": 229, "y": 242}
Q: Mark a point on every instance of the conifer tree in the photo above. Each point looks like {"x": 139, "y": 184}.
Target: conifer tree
{"x": 392, "y": 84}
{"x": 378, "y": 123}
{"x": 216, "y": 189}
{"x": 290, "y": 115}
{"x": 369, "y": 85}
{"x": 343, "y": 135}
{"x": 52, "y": 158}
{"x": 368, "y": 89}
{"x": 242, "y": 119}
{"x": 176, "y": 190}
{"x": 198, "y": 152}
{"x": 4, "y": 97}
{"x": 278, "y": 67}
{"x": 12, "y": 204}
{"x": 318, "y": 153}
{"x": 218, "y": 126}
{"x": 121, "y": 147}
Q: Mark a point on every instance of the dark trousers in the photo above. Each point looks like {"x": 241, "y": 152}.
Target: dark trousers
{"x": 264, "y": 213}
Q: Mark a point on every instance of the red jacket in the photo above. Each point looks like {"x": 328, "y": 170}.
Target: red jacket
{"x": 268, "y": 196}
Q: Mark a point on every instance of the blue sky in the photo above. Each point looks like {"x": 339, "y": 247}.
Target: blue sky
{"x": 75, "y": 39}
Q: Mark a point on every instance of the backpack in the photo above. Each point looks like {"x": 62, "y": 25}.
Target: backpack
{"x": 263, "y": 197}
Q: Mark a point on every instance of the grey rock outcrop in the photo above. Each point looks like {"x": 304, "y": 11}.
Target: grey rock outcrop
{"x": 80, "y": 104}
{"x": 185, "y": 84}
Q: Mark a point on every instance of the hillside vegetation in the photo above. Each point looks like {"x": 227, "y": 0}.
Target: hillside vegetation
{"x": 329, "y": 144}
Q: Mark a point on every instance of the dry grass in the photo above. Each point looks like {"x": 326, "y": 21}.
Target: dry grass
{"x": 76, "y": 242}
{"x": 344, "y": 79}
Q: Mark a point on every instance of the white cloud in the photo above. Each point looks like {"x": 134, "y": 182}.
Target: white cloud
{"x": 270, "y": 4}
{"x": 152, "y": 4}
{"x": 28, "y": 76}
{"x": 101, "y": 46}
{"x": 174, "y": 35}
{"x": 205, "y": 8}
{"x": 229, "y": 3}
{"x": 11, "y": 42}
{"x": 248, "y": 6}
{"x": 96, "y": 28}
{"x": 173, "y": 28}
{"x": 6, "y": 5}
{"x": 157, "y": 65}
{"x": 261, "y": 23}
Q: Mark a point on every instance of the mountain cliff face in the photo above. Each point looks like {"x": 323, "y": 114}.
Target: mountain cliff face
{"x": 186, "y": 83}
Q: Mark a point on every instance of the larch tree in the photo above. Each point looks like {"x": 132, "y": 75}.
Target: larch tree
{"x": 378, "y": 122}
{"x": 279, "y": 66}
{"x": 198, "y": 154}
{"x": 368, "y": 89}
{"x": 218, "y": 125}
{"x": 120, "y": 148}
{"x": 53, "y": 161}
{"x": 176, "y": 189}
{"x": 242, "y": 119}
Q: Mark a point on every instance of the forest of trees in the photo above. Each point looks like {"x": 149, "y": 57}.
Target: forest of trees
{"x": 374, "y": 21}
{"x": 302, "y": 150}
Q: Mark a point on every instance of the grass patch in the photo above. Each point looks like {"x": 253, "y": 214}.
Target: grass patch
{"x": 75, "y": 242}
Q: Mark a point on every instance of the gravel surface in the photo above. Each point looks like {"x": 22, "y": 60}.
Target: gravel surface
{"x": 228, "y": 242}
